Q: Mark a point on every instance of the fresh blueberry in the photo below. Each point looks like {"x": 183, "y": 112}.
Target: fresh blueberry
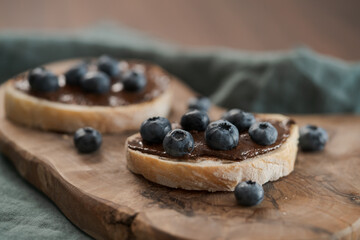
{"x": 134, "y": 80}
{"x": 109, "y": 66}
{"x": 249, "y": 193}
{"x": 178, "y": 143}
{"x": 42, "y": 80}
{"x": 195, "y": 120}
{"x": 35, "y": 74}
{"x": 95, "y": 82}
{"x": 153, "y": 130}
{"x": 263, "y": 133}
{"x": 221, "y": 135}
{"x": 312, "y": 138}
{"x": 74, "y": 75}
{"x": 242, "y": 120}
{"x": 200, "y": 103}
{"x": 87, "y": 140}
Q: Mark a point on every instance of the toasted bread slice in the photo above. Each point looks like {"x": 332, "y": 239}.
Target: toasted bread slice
{"x": 31, "y": 111}
{"x": 214, "y": 174}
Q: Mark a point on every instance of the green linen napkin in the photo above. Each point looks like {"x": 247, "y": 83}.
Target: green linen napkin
{"x": 296, "y": 81}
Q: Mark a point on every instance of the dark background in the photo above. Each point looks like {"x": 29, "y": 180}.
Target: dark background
{"x": 328, "y": 26}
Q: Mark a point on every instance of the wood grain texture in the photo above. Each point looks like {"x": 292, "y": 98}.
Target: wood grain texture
{"x": 319, "y": 200}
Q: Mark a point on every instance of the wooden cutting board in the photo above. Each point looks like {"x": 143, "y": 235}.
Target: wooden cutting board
{"x": 319, "y": 200}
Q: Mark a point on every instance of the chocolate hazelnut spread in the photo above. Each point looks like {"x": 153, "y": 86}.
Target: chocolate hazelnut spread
{"x": 245, "y": 149}
{"x": 157, "y": 83}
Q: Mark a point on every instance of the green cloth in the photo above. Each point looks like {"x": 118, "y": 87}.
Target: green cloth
{"x": 297, "y": 81}
{"x": 26, "y": 213}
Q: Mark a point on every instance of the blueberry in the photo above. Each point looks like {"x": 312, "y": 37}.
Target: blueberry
{"x": 108, "y": 65}
{"x": 134, "y": 80}
{"x": 153, "y": 130}
{"x": 95, "y": 82}
{"x": 178, "y": 143}
{"x": 242, "y": 120}
{"x": 35, "y": 74}
{"x": 312, "y": 138}
{"x": 74, "y": 75}
{"x": 195, "y": 120}
{"x": 200, "y": 103}
{"x": 42, "y": 80}
{"x": 249, "y": 193}
{"x": 263, "y": 133}
{"x": 221, "y": 135}
{"x": 87, "y": 140}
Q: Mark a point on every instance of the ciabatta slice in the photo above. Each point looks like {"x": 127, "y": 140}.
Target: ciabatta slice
{"x": 214, "y": 174}
{"x": 31, "y": 111}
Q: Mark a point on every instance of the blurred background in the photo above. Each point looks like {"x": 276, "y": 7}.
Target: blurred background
{"x": 298, "y": 79}
{"x": 327, "y": 26}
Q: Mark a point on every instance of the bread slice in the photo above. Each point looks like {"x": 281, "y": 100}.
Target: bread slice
{"x": 214, "y": 174}
{"x": 35, "y": 112}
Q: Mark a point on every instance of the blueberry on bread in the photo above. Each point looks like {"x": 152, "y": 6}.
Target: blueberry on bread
{"x": 178, "y": 143}
{"x": 76, "y": 73}
{"x": 221, "y": 135}
{"x": 263, "y": 133}
{"x": 200, "y": 103}
{"x": 153, "y": 130}
{"x": 109, "y": 66}
{"x": 95, "y": 82}
{"x": 242, "y": 120}
{"x": 134, "y": 80}
{"x": 195, "y": 120}
{"x": 43, "y": 80}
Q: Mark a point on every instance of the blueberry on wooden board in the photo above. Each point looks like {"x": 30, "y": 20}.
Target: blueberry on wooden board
{"x": 87, "y": 140}
{"x": 312, "y": 138}
{"x": 249, "y": 193}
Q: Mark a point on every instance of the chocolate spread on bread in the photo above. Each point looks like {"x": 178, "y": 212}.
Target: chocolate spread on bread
{"x": 157, "y": 82}
{"x": 245, "y": 149}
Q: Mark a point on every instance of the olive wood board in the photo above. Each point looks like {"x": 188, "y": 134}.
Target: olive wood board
{"x": 319, "y": 200}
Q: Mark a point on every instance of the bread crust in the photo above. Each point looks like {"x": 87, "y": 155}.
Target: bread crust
{"x": 47, "y": 115}
{"x": 213, "y": 174}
